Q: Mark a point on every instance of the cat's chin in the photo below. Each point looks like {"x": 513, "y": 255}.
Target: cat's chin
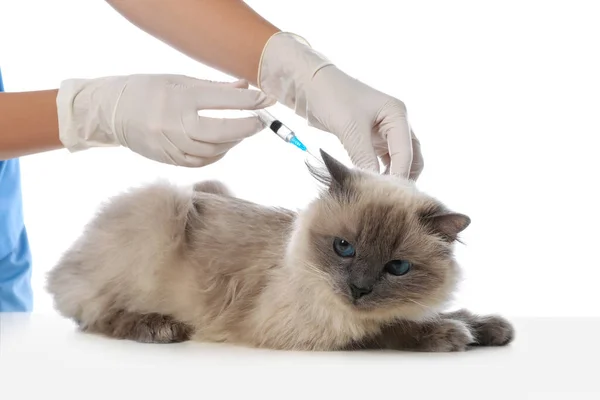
{"x": 366, "y": 309}
{"x": 364, "y": 305}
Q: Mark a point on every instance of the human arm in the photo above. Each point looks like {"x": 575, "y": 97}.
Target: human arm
{"x": 102, "y": 112}
{"x": 28, "y": 123}
{"x": 226, "y": 35}
{"x": 230, "y": 36}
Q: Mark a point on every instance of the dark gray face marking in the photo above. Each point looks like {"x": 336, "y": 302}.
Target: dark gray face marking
{"x": 381, "y": 231}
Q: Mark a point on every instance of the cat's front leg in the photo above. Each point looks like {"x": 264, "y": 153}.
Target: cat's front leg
{"x": 489, "y": 330}
{"x": 441, "y": 335}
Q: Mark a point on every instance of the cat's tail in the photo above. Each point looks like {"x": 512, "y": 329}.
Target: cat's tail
{"x": 214, "y": 187}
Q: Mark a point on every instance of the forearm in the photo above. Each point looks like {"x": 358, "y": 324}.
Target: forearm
{"x": 28, "y": 123}
{"x": 224, "y": 34}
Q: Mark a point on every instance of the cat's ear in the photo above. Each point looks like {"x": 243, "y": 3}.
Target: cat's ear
{"x": 338, "y": 171}
{"x": 448, "y": 224}
{"x": 335, "y": 177}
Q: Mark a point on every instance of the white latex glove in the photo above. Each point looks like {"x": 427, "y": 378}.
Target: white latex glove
{"x": 369, "y": 123}
{"x": 157, "y": 116}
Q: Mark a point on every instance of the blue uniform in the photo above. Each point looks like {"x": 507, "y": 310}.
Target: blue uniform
{"x": 15, "y": 256}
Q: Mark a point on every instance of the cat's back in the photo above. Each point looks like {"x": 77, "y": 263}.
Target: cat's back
{"x": 143, "y": 241}
{"x": 226, "y": 225}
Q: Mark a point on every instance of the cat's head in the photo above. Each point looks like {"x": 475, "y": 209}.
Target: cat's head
{"x": 381, "y": 247}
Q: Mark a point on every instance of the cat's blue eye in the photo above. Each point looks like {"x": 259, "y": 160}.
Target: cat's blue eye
{"x": 343, "y": 248}
{"x": 398, "y": 267}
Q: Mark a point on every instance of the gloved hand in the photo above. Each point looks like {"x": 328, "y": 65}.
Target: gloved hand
{"x": 157, "y": 116}
{"x": 369, "y": 123}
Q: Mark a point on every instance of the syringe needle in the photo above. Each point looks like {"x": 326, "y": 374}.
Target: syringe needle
{"x": 314, "y": 156}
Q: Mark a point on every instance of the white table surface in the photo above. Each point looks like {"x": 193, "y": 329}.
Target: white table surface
{"x": 44, "y": 356}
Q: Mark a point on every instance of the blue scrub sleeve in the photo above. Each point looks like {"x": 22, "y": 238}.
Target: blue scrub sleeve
{"x": 16, "y": 294}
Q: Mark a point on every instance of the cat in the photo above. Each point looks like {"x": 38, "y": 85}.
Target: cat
{"x": 368, "y": 264}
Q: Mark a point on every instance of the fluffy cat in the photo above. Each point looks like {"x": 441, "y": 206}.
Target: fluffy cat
{"x": 367, "y": 265}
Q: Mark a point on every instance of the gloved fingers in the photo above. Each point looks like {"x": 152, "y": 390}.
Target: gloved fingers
{"x": 194, "y": 82}
{"x": 194, "y": 154}
{"x": 206, "y": 149}
{"x": 175, "y": 147}
{"x": 360, "y": 149}
{"x": 224, "y": 130}
{"x": 240, "y": 84}
{"x": 191, "y": 161}
{"x": 417, "y": 162}
{"x": 394, "y": 128}
{"x": 185, "y": 81}
{"x": 223, "y": 97}
{"x": 386, "y": 160}
{"x": 211, "y": 160}
{"x": 173, "y": 154}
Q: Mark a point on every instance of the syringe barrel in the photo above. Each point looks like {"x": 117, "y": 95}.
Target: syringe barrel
{"x": 265, "y": 116}
{"x": 275, "y": 125}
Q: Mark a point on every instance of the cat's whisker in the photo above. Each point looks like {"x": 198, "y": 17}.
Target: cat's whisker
{"x": 315, "y": 271}
{"x": 421, "y": 305}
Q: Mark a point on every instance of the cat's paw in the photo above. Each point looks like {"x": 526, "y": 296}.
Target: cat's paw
{"x": 492, "y": 330}
{"x": 449, "y": 336}
{"x": 489, "y": 330}
{"x": 157, "y": 328}
{"x": 145, "y": 328}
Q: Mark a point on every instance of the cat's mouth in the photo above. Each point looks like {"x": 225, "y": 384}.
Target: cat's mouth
{"x": 360, "y": 303}
{"x": 363, "y": 306}
{"x": 359, "y": 300}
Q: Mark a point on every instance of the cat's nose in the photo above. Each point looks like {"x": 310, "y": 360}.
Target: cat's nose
{"x": 358, "y": 292}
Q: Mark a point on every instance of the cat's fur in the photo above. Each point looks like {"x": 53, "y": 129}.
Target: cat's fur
{"x": 167, "y": 264}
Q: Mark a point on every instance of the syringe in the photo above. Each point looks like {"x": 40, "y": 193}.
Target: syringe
{"x": 281, "y": 130}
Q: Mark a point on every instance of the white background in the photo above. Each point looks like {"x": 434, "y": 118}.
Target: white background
{"x": 503, "y": 95}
